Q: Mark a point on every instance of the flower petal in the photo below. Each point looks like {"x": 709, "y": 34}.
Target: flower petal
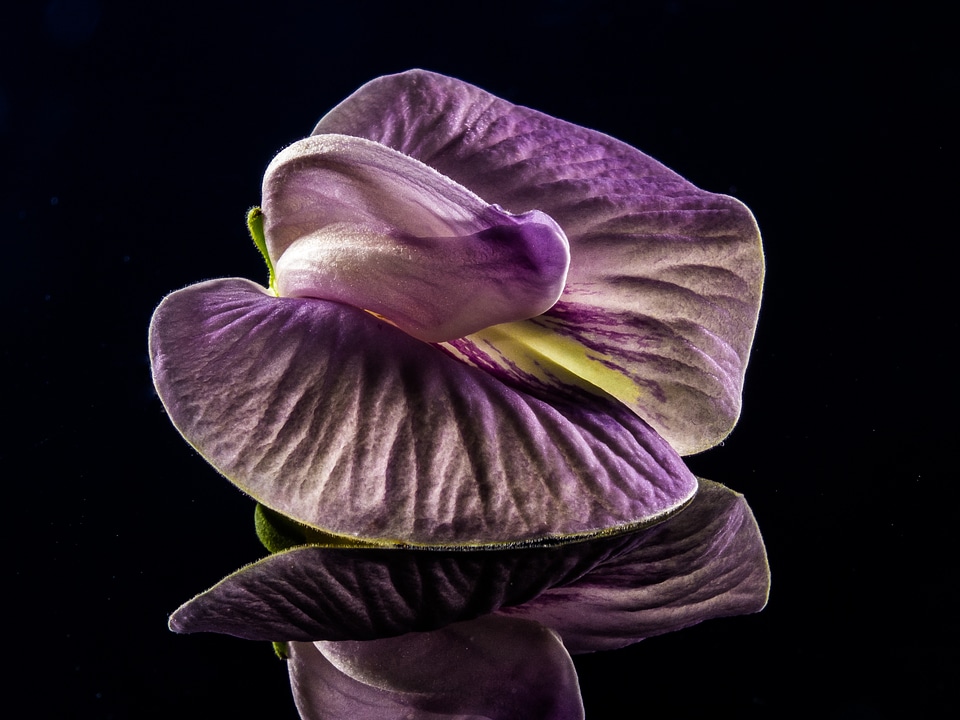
{"x": 491, "y": 668}
{"x": 351, "y": 220}
{"x": 709, "y": 561}
{"x": 362, "y": 593}
{"x": 664, "y": 285}
{"x": 338, "y": 420}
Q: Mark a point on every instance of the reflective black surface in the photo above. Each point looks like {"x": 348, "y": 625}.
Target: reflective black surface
{"x": 134, "y": 140}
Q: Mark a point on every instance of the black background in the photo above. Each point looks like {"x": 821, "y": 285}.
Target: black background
{"x": 134, "y": 137}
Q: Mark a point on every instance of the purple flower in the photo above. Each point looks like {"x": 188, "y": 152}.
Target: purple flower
{"x": 461, "y": 405}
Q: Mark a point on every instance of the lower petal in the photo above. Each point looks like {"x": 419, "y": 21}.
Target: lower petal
{"x": 493, "y": 667}
{"x": 341, "y": 421}
{"x": 707, "y": 562}
{"x": 366, "y": 593}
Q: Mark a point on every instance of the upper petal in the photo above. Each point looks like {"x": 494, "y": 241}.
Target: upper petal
{"x": 491, "y": 668}
{"x": 343, "y": 422}
{"x": 708, "y": 561}
{"x": 351, "y": 220}
{"x": 664, "y": 285}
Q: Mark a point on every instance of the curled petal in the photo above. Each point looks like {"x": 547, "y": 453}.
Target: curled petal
{"x": 351, "y": 220}
{"x": 664, "y": 284}
{"x": 341, "y": 421}
{"x": 363, "y": 593}
{"x": 491, "y": 668}
{"x": 706, "y": 562}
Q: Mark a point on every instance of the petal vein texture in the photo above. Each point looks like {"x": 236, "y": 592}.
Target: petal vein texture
{"x": 334, "y": 418}
{"x": 663, "y": 290}
{"x": 708, "y": 561}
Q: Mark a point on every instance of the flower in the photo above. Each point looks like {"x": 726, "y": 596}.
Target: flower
{"x": 461, "y": 405}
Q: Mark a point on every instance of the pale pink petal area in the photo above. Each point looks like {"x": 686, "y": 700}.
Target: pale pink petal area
{"x": 341, "y": 421}
{"x": 492, "y": 668}
{"x": 706, "y": 562}
{"x": 351, "y": 220}
{"x": 664, "y": 285}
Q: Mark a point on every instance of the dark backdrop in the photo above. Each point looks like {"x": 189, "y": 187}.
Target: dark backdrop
{"x": 134, "y": 137}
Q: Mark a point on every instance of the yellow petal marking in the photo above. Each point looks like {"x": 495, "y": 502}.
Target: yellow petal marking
{"x": 544, "y": 352}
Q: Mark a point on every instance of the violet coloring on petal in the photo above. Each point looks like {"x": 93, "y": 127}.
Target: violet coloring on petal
{"x": 489, "y": 337}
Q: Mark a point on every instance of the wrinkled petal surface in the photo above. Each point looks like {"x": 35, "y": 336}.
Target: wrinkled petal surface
{"x": 491, "y": 668}
{"x": 341, "y": 421}
{"x": 706, "y": 562}
{"x": 664, "y": 284}
{"x": 351, "y": 220}
{"x": 336, "y": 593}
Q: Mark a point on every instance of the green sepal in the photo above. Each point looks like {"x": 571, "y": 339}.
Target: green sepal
{"x": 278, "y": 533}
{"x": 255, "y": 226}
{"x": 282, "y": 650}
